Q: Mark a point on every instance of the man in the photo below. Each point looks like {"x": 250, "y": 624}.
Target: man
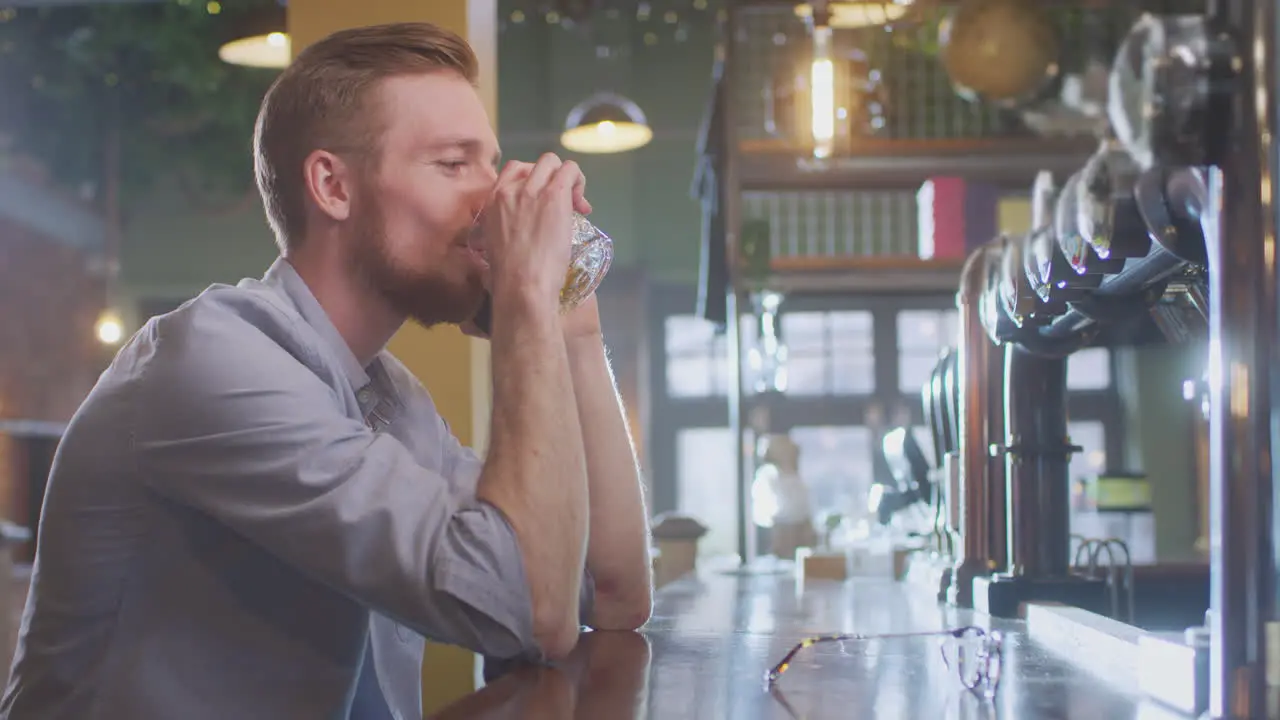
{"x": 258, "y": 512}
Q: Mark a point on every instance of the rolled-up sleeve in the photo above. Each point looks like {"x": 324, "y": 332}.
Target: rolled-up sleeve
{"x": 228, "y": 422}
{"x": 463, "y": 466}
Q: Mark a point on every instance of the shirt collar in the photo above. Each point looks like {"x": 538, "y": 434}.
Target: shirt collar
{"x": 282, "y": 275}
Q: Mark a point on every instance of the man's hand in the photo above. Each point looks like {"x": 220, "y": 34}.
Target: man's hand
{"x": 525, "y": 181}
{"x": 520, "y": 171}
{"x": 527, "y": 227}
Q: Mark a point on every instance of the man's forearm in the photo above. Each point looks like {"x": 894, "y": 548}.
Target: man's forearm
{"x": 535, "y": 472}
{"x": 618, "y": 545}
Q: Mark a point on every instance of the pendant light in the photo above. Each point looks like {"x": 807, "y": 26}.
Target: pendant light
{"x": 856, "y": 14}
{"x": 605, "y": 123}
{"x": 260, "y": 39}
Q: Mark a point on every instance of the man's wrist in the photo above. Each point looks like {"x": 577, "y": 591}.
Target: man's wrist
{"x": 583, "y": 341}
{"x": 527, "y": 307}
{"x": 587, "y": 355}
{"x": 583, "y": 336}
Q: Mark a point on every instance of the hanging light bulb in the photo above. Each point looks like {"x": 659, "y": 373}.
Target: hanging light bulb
{"x": 260, "y": 40}
{"x": 822, "y": 93}
{"x": 605, "y": 123}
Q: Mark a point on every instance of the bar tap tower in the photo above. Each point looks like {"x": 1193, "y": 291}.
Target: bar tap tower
{"x": 1171, "y": 224}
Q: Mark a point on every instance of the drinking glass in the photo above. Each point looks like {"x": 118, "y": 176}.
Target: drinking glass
{"x": 590, "y": 256}
{"x": 589, "y": 261}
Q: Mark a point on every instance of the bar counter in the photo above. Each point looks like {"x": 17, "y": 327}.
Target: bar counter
{"x": 713, "y": 637}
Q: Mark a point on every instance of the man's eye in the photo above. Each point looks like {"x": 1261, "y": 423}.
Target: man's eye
{"x": 453, "y": 165}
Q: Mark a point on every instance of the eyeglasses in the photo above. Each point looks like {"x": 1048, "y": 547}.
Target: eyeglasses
{"x": 973, "y": 653}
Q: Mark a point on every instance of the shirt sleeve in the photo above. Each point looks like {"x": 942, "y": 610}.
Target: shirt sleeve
{"x": 465, "y": 465}
{"x": 228, "y": 421}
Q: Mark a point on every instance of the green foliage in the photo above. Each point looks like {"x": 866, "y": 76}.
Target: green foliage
{"x": 74, "y": 76}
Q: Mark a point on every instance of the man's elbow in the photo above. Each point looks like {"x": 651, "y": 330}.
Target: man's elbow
{"x": 622, "y": 613}
{"x": 556, "y": 637}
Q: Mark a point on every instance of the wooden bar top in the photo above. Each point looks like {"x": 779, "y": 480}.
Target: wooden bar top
{"x": 713, "y": 637}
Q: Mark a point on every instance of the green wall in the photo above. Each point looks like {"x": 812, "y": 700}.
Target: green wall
{"x": 172, "y": 250}
{"x": 640, "y": 198}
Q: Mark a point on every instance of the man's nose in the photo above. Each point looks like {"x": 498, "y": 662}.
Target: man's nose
{"x": 484, "y": 189}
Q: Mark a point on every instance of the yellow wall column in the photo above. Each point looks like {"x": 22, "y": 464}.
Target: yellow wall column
{"x": 453, "y": 367}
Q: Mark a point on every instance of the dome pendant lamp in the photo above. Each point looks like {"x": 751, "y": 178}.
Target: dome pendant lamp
{"x": 605, "y": 123}
{"x": 260, "y": 40}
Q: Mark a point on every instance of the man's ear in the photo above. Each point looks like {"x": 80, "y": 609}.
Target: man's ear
{"x": 330, "y": 182}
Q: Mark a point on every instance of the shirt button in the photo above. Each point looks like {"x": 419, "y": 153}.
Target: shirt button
{"x": 364, "y": 395}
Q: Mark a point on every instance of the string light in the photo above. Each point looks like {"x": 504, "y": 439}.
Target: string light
{"x": 661, "y": 22}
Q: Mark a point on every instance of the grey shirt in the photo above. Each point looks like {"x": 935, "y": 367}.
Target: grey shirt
{"x": 239, "y": 509}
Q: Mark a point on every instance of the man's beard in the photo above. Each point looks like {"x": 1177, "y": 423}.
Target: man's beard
{"x": 429, "y": 298}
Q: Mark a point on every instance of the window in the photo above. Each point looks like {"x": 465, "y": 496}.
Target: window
{"x": 1091, "y": 435}
{"x": 1137, "y": 530}
{"x": 922, "y": 335}
{"x": 829, "y": 353}
{"x": 705, "y": 486}
{"x": 697, "y": 358}
{"x": 836, "y": 465}
{"x": 1089, "y": 369}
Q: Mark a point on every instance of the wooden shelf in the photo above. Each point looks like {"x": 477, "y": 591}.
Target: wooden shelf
{"x": 879, "y": 164}
{"x": 870, "y": 263}
{"x": 873, "y": 274}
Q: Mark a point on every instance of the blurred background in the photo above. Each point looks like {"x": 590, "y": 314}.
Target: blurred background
{"x": 871, "y": 152}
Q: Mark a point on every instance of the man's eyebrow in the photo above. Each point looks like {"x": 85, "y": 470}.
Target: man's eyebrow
{"x": 465, "y": 143}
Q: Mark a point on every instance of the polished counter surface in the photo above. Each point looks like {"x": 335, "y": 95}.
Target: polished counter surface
{"x": 713, "y": 638}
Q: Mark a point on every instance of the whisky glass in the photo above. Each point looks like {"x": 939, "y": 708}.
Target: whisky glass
{"x": 590, "y": 256}
{"x": 589, "y": 261}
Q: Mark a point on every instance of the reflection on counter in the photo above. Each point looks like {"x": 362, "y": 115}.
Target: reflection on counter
{"x": 715, "y": 635}
{"x": 605, "y": 677}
